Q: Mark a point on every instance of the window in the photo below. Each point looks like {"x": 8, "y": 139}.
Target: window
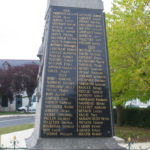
{"x": 4, "y": 101}
{"x": 34, "y": 98}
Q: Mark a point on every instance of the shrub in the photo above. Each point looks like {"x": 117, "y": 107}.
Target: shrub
{"x": 139, "y": 117}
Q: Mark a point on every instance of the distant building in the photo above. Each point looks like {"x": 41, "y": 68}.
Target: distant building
{"x": 21, "y": 99}
{"x": 5, "y": 63}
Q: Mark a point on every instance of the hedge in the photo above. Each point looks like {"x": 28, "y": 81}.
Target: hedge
{"x": 138, "y": 117}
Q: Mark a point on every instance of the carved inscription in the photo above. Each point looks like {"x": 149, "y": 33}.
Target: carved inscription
{"x": 76, "y": 99}
{"x": 92, "y": 102}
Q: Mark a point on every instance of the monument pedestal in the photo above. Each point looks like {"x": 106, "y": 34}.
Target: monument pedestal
{"x": 74, "y": 144}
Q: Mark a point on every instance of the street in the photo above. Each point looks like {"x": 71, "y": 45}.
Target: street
{"x": 16, "y": 120}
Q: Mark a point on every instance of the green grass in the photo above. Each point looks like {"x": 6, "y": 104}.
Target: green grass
{"x": 10, "y": 113}
{"x": 13, "y": 113}
{"x": 137, "y": 134}
{"x": 15, "y": 128}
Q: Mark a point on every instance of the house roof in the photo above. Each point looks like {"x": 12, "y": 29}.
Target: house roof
{"x": 16, "y": 62}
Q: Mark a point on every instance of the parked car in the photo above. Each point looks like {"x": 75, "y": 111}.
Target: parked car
{"x": 132, "y": 106}
{"x": 32, "y": 108}
{"x": 22, "y": 109}
{"x": 137, "y": 106}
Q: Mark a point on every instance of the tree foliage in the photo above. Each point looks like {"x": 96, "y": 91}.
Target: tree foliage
{"x": 18, "y": 79}
{"x": 128, "y": 31}
{"x": 5, "y": 84}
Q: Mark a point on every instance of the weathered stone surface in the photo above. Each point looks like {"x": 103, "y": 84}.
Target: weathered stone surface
{"x": 77, "y": 144}
{"x": 92, "y": 4}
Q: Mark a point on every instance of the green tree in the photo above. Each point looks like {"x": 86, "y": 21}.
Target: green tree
{"x": 5, "y": 84}
{"x": 128, "y": 29}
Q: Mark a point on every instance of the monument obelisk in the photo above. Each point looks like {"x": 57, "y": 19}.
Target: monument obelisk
{"x": 74, "y": 109}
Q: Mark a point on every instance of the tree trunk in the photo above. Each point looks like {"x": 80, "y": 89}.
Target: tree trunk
{"x": 120, "y": 116}
{"x": 29, "y": 104}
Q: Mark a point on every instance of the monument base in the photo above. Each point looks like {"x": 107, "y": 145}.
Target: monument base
{"x": 73, "y": 144}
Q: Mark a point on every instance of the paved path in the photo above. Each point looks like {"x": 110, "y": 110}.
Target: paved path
{"x": 7, "y": 121}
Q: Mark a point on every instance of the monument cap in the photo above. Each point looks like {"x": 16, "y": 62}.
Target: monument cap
{"x": 92, "y": 4}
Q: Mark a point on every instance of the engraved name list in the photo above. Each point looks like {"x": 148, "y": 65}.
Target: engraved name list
{"x": 77, "y": 97}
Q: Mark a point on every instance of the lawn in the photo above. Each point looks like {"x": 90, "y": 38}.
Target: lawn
{"x": 15, "y": 128}
{"x": 9, "y": 113}
{"x": 137, "y": 134}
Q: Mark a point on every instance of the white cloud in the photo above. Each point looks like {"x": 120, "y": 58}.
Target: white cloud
{"x": 21, "y": 28}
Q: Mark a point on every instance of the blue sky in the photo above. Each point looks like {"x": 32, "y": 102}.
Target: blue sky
{"x": 21, "y": 27}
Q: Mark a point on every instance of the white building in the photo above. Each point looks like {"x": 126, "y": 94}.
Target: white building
{"x": 18, "y": 101}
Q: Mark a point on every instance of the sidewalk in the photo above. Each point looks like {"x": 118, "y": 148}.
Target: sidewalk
{"x": 22, "y": 135}
{"x": 137, "y": 146}
{"x": 6, "y": 139}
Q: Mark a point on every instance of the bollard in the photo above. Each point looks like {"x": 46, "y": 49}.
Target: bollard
{"x": 14, "y": 138}
{"x": 0, "y": 141}
{"x": 129, "y": 143}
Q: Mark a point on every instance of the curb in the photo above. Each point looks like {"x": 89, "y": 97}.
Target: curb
{"x": 24, "y": 115}
{"x": 119, "y": 140}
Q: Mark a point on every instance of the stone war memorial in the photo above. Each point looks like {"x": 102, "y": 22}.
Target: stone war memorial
{"x": 74, "y": 109}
